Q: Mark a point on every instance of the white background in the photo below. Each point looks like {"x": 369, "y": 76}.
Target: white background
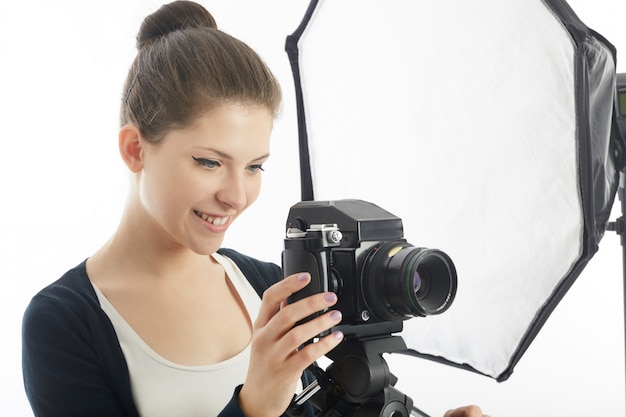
{"x": 63, "y": 187}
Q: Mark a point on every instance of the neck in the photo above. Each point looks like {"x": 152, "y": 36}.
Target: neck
{"x": 142, "y": 245}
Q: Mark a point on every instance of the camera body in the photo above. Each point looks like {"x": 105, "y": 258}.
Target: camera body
{"x": 357, "y": 250}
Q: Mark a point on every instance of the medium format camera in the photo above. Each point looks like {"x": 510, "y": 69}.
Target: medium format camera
{"x": 357, "y": 250}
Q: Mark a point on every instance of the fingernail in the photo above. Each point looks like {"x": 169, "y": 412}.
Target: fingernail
{"x": 330, "y": 297}
{"x": 338, "y": 335}
{"x": 336, "y": 315}
{"x": 303, "y": 277}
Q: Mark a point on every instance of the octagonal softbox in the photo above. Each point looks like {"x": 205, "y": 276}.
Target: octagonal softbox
{"x": 487, "y": 127}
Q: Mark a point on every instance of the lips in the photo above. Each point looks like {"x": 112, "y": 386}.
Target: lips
{"x": 217, "y": 221}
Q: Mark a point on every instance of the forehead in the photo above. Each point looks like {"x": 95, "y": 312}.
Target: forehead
{"x": 235, "y": 112}
{"x": 228, "y": 126}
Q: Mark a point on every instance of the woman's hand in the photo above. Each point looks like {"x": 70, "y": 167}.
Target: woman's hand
{"x": 276, "y": 363}
{"x": 467, "y": 411}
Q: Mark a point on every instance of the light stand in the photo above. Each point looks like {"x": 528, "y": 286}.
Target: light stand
{"x": 619, "y": 225}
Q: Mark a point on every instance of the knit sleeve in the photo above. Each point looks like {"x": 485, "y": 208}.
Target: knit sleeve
{"x": 232, "y": 409}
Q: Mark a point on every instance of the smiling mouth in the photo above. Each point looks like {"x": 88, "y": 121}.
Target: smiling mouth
{"x": 217, "y": 221}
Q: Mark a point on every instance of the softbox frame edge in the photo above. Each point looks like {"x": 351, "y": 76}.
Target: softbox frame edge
{"x": 596, "y": 218}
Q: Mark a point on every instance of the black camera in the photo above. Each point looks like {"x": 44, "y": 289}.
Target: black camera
{"x": 357, "y": 250}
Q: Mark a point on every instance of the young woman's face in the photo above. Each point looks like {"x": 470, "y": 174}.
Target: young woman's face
{"x": 198, "y": 180}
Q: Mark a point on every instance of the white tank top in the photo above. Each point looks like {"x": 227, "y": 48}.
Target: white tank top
{"x": 165, "y": 389}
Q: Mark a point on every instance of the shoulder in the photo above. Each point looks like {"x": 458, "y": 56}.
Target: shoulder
{"x": 64, "y": 324}
{"x": 71, "y": 289}
{"x": 71, "y": 360}
{"x": 260, "y": 274}
{"x": 69, "y": 302}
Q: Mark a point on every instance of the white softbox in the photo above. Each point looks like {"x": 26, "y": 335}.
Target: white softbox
{"x": 487, "y": 127}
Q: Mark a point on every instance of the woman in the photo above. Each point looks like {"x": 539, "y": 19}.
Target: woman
{"x": 160, "y": 321}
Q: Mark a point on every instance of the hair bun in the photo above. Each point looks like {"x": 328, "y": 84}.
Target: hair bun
{"x": 171, "y": 17}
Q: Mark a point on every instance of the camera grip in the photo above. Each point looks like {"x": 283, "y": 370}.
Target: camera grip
{"x": 295, "y": 261}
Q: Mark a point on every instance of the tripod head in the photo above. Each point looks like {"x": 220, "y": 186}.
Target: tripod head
{"x": 358, "y": 382}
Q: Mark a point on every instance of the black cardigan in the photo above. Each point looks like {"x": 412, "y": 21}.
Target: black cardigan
{"x": 73, "y": 365}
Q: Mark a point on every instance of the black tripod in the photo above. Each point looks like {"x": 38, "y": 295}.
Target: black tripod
{"x": 358, "y": 382}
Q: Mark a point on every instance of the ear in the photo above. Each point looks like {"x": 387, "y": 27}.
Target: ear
{"x": 130, "y": 146}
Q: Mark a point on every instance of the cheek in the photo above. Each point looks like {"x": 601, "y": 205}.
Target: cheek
{"x": 253, "y": 190}
{"x": 166, "y": 192}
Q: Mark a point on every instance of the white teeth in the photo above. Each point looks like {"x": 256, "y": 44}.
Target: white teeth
{"x": 218, "y": 221}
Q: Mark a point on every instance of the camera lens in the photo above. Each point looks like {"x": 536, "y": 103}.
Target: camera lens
{"x": 400, "y": 281}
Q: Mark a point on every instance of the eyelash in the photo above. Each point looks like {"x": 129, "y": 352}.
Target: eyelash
{"x": 208, "y": 163}
{"x": 256, "y": 168}
{"x": 212, "y": 164}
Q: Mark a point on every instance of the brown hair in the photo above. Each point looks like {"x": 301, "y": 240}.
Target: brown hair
{"x": 185, "y": 66}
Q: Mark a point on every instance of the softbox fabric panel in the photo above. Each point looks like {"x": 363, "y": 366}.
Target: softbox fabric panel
{"x": 486, "y": 127}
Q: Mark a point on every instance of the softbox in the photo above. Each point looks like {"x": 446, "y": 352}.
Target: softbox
{"x": 487, "y": 127}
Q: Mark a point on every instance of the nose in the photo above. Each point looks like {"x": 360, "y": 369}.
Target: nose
{"x": 233, "y": 192}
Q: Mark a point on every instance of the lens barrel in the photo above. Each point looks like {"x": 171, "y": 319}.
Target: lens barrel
{"x": 400, "y": 281}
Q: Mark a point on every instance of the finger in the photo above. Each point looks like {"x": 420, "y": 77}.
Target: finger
{"x": 276, "y": 295}
{"x": 313, "y": 351}
{"x": 305, "y": 332}
{"x": 466, "y": 411}
{"x": 292, "y": 314}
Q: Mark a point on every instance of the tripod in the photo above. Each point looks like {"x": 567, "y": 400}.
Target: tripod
{"x": 358, "y": 382}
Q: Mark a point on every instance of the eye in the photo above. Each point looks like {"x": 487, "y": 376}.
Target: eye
{"x": 208, "y": 163}
{"x": 256, "y": 168}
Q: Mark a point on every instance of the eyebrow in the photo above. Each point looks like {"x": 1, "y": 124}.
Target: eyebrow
{"x": 227, "y": 156}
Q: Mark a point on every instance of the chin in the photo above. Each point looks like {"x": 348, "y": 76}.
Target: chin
{"x": 208, "y": 248}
